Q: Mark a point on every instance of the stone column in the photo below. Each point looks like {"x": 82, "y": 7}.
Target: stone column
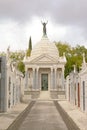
{"x": 3, "y": 85}
{"x": 55, "y": 72}
{"x": 62, "y": 78}
{"x": 26, "y": 79}
{"x": 33, "y": 84}
{"x": 37, "y": 84}
{"x": 51, "y": 78}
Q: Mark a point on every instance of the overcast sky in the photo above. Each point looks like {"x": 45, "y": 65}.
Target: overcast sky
{"x": 20, "y": 19}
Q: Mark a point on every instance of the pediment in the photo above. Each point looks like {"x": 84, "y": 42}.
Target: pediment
{"x": 44, "y": 59}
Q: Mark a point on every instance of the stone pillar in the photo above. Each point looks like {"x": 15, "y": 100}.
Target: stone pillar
{"x": 62, "y": 78}
{"x": 51, "y": 78}
{"x": 55, "y": 75}
{"x": 33, "y": 84}
{"x": 29, "y": 79}
{"x": 37, "y": 84}
{"x": 3, "y": 85}
{"x": 26, "y": 79}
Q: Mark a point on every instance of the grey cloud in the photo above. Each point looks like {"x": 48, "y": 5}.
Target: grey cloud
{"x": 23, "y": 9}
{"x": 72, "y": 12}
{"x": 66, "y": 12}
{"x": 61, "y": 11}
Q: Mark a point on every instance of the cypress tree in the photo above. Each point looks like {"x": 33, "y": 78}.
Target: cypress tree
{"x": 30, "y": 44}
{"x": 29, "y": 47}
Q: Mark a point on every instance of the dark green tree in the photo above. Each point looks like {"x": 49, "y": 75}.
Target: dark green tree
{"x": 29, "y": 47}
{"x": 63, "y": 47}
{"x": 21, "y": 67}
{"x": 73, "y": 56}
{"x": 18, "y": 58}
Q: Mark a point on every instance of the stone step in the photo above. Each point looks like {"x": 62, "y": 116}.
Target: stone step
{"x": 44, "y": 95}
{"x": 61, "y": 96}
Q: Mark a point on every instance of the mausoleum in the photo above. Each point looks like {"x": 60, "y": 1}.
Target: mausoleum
{"x": 44, "y": 69}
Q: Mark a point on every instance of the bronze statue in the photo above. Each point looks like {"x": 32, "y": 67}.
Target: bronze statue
{"x": 44, "y": 27}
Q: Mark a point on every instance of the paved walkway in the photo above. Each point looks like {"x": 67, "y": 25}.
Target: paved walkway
{"x": 7, "y": 118}
{"x": 76, "y": 114}
{"x": 46, "y": 113}
{"x": 43, "y": 116}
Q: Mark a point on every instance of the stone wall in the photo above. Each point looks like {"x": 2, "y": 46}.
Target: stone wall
{"x": 15, "y": 86}
{"x": 11, "y": 85}
{"x": 76, "y": 88}
{"x": 3, "y": 88}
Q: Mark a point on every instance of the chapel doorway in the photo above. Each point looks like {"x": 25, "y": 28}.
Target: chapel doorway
{"x": 44, "y": 82}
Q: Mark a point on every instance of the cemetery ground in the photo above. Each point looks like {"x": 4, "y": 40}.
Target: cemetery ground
{"x": 44, "y": 114}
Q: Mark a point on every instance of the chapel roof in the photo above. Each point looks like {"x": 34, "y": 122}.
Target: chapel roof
{"x": 44, "y": 46}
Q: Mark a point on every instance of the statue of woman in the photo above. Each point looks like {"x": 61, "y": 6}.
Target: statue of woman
{"x": 44, "y": 27}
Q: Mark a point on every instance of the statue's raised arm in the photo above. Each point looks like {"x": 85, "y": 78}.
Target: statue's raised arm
{"x": 44, "y": 28}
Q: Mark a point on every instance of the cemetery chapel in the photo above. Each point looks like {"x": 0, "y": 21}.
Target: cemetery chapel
{"x": 44, "y": 68}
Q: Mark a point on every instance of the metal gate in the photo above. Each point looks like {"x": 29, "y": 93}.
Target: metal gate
{"x": 44, "y": 82}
